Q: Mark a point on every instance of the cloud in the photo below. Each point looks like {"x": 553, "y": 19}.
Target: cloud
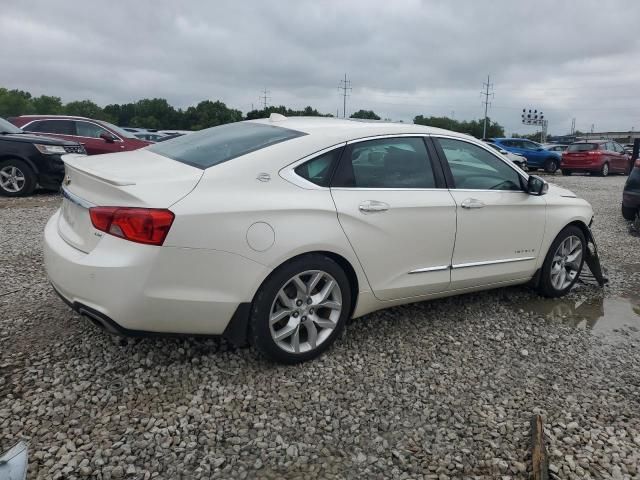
{"x": 405, "y": 57}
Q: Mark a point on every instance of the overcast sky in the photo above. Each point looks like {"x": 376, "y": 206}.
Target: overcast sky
{"x": 404, "y": 57}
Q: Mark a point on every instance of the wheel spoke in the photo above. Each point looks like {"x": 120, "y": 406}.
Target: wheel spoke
{"x": 295, "y": 339}
{"x": 279, "y": 315}
{"x": 284, "y": 299}
{"x": 315, "y": 278}
{"x": 333, "y": 305}
{"x": 4, "y": 174}
{"x": 324, "y": 322}
{"x": 285, "y": 332}
{"x": 312, "y": 333}
{"x": 326, "y": 290}
{"x": 300, "y": 286}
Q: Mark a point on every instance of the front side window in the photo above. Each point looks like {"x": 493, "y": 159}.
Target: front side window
{"x": 209, "y": 147}
{"x": 530, "y": 145}
{"x": 386, "y": 163}
{"x": 318, "y": 170}
{"x": 59, "y": 127}
{"x": 88, "y": 129}
{"x": 473, "y": 167}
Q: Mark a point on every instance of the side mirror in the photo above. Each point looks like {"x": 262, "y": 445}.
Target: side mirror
{"x": 536, "y": 185}
{"x": 107, "y": 137}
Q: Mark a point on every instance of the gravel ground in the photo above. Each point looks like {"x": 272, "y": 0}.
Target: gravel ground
{"x": 443, "y": 389}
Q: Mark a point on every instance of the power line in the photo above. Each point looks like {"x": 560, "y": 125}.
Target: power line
{"x": 345, "y": 86}
{"x": 486, "y": 94}
{"x": 264, "y": 97}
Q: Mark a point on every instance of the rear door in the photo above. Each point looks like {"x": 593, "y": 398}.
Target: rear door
{"x": 499, "y": 226}
{"x": 90, "y": 134}
{"x": 61, "y": 128}
{"x": 397, "y": 214}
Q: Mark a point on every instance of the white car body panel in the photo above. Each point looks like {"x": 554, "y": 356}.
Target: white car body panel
{"x": 239, "y": 220}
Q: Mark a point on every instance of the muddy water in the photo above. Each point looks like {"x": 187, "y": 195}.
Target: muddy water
{"x": 597, "y": 314}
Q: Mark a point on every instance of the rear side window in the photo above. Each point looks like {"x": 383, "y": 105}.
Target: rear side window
{"x": 386, "y": 163}
{"x": 60, "y": 127}
{"x": 212, "y": 146}
{"x": 582, "y": 147}
{"x": 318, "y": 170}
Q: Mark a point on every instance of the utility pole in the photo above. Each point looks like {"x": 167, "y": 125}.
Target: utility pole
{"x": 265, "y": 97}
{"x": 486, "y": 94}
{"x": 573, "y": 126}
{"x": 345, "y": 86}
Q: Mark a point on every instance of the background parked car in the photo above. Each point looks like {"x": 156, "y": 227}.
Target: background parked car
{"x": 595, "y": 156}
{"x": 27, "y": 161}
{"x": 519, "y": 160}
{"x": 97, "y": 136}
{"x": 631, "y": 192}
{"x": 555, "y": 147}
{"x": 149, "y": 136}
{"x": 537, "y": 157}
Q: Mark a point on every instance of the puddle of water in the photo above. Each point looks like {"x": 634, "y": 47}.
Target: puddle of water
{"x": 597, "y": 314}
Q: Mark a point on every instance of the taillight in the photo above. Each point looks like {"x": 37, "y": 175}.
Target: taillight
{"x": 594, "y": 152}
{"x": 141, "y": 225}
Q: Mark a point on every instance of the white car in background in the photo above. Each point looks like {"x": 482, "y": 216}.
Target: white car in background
{"x": 277, "y": 231}
{"x": 519, "y": 160}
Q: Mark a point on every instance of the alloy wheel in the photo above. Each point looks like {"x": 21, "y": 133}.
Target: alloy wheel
{"x": 12, "y": 179}
{"x": 605, "y": 170}
{"x": 305, "y": 311}
{"x": 566, "y": 262}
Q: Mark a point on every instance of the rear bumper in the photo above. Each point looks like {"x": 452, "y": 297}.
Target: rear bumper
{"x": 582, "y": 165}
{"x": 136, "y": 289}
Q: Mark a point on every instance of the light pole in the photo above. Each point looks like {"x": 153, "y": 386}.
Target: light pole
{"x": 535, "y": 117}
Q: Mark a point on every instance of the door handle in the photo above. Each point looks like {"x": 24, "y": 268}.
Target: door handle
{"x": 472, "y": 203}
{"x": 371, "y": 206}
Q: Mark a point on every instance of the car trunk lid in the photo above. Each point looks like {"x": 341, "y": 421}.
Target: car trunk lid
{"x": 129, "y": 179}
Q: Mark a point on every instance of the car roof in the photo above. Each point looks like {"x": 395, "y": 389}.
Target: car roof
{"x": 348, "y": 129}
{"x": 592, "y": 141}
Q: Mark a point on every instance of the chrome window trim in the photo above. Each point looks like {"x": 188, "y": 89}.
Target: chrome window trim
{"x": 386, "y": 135}
{"x": 73, "y": 198}
{"x": 493, "y": 152}
{"x": 117, "y": 139}
{"x": 492, "y": 262}
{"x": 430, "y": 269}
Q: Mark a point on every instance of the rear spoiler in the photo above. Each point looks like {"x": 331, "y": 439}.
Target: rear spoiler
{"x": 75, "y": 161}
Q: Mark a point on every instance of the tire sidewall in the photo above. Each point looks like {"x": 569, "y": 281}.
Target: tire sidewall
{"x": 604, "y": 171}
{"x": 551, "y": 165}
{"x": 546, "y": 287}
{"x": 29, "y": 176}
{"x": 259, "y": 331}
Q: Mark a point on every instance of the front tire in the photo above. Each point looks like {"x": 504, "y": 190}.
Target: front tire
{"x": 629, "y": 213}
{"x": 300, "y": 309}
{"x": 17, "y": 179}
{"x": 551, "y": 165}
{"x": 563, "y": 263}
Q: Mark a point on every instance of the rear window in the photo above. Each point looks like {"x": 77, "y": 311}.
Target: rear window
{"x": 212, "y": 146}
{"x": 582, "y": 147}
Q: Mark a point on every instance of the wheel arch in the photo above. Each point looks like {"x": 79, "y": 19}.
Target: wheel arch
{"x": 13, "y": 156}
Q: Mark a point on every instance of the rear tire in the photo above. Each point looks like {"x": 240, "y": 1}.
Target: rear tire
{"x": 551, "y": 165}
{"x": 566, "y": 172}
{"x": 17, "y": 179}
{"x": 563, "y": 263}
{"x": 629, "y": 213}
{"x": 604, "y": 170}
{"x": 294, "y": 319}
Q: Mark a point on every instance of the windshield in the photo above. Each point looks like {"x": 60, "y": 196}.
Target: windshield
{"x": 582, "y": 147}
{"x": 118, "y": 130}
{"x": 215, "y": 145}
{"x": 7, "y": 127}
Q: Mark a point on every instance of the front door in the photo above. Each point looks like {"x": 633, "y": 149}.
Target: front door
{"x": 500, "y": 226}
{"x": 397, "y": 214}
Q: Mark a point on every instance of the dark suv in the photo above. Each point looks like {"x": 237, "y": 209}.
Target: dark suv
{"x": 27, "y": 161}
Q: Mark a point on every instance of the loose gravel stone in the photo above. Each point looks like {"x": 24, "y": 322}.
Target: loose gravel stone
{"x": 438, "y": 390}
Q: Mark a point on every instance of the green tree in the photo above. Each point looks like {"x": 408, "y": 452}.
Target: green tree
{"x": 86, "y": 108}
{"x": 210, "y": 114}
{"x": 287, "y": 112}
{"x": 47, "y": 105}
{"x": 365, "y": 114}
{"x": 472, "y": 127}
{"x": 14, "y": 103}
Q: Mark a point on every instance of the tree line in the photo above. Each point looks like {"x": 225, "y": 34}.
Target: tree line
{"x": 157, "y": 113}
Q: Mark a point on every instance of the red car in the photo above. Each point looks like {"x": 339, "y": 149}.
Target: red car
{"x": 97, "y": 136}
{"x": 601, "y": 157}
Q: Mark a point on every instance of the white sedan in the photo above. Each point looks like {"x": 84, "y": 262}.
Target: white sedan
{"x": 277, "y": 231}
